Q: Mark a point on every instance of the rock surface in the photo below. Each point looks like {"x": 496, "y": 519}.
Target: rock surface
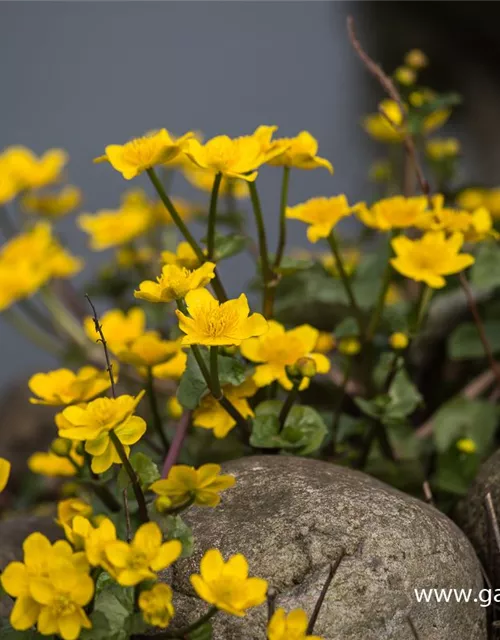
{"x": 291, "y": 517}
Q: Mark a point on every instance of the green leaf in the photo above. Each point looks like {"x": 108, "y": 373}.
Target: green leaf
{"x": 146, "y": 470}
{"x": 7, "y": 632}
{"x": 290, "y": 265}
{"x": 227, "y": 246}
{"x": 485, "y": 272}
{"x": 348, "y": 328}
{"x": 174, "y": 528}
{"x": 113, "y": 613}
{"x": 192, "y": 386}
{"x": 404, "y": 397}
{"x": 464, "y": 343}
{"x": 368, "y": 278}
{"x": 205, "y": 632}
{"x": 455, "y": 472}
{"x": 464, "y": 418}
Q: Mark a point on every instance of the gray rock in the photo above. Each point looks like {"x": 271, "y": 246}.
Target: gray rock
{"x": 471, "y": 515}
{"x": 291, "y": 517}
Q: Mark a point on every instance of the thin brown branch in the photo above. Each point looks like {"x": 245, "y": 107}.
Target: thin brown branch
{"x": 102, "y": 340}
{"x": 492, "y": 516}
{"x": 331, "y": 574}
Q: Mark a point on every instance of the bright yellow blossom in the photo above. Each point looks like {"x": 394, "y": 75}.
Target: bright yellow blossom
{"x": 321, "y": 214}
{"x": 416, "y": 59}
{"x": 184, "y": 256}
{"x": 211, "y": 323}
{"x": 349, "y": 346}
{"x": 186, "y": 484}
{"x": 5, "y": 467}
{"x": 203, "y": 179}
{"x": 31, "y": 172}
{"x": 396, "y": 212}
{"x": 277, "y": 349}
{"x": 300, "y": 152}
{"x": 475, "y": 226}
{"x": 211, "y": 415}
{"x": 226, "y": 585}
{"x": 398, "y": 340}
{"x": 78, "y": 531}
{"x": 113, "y": 227}
{"x": 68, "y": 509}
{"x": 63, "y": 386}
{"x": 48, "y": 463}
{"x": 96, "y": 543}
{"x": 471, "y": 199}
{"x": 52, "y": 205}
{"x": 148, "y": 350}
{"x": 140, "y": 154}
{"x": 175, "y": 282}
{"x": 9, "y": 187}
{"x": 145, "y": 555}
{"x": 156, "y": 605}
{"x": 289, "y": 627}
{"x": 120, "y": 328}
{"x": 173, "y": 368}
{"x": 466, "y": 445}
{"x": 387, "y": 124}
{"x": 442, "y": 148}
{"x": 430, "y": 258}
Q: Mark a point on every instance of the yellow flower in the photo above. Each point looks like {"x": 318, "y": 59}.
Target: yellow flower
{"x": 156, "y": 605}
{"x": 349, "y": 346}
{"x": 210, "y": 414}
{"x": 186, "y": 484}
{"x": 278, "y": 349}
{"x": 184, "y": 256}
{"x": 134, "y": 157}
{"x": 289, "y": 627}
{"x": 174, "y": 408}
{"x": 96, "y": 543}
{"x": 63, "y": 386}
{"x": 471, "y": 199}
{"x": 227, "y": 585}
{"x": 396, "y": 212}
{"x": 173, "y": 368}
{"x": 148, "y": 350}
{"x": 120, "y": 328}
{"x": 466, "y": 445}
{"x": 299, "y": 152}
{"x": 5, "y": 467}
{"x": 321, "y": 214}
{"x": 475, "y": 226}
{"x": 52, "y": 205}
{"x": 233, "y": 157}
{"x": 405, "y": 76}
{"x": 78, "y": 531}
{"x": 416, "y": 59}
{"x": 19, "y": 283}
{"x": 211, "y": 323}
{"x": 145, "y": 555}
{"x": 203, "y": 179}
{"x": 30, "y": 172}
{"x": 68, "y": 509}
{"x": 175, "y": 282}
{"x": 389, "y": 127}
{"x": 350, "y": 259}
{"x": 398, "y": 340}
{"x": 110, "y": 228}
{"x": 52, "y": 465}
{"x": 430, "y": 258}
{"x": 325, "y": 342}
{"x": 492, "y": 202}
{"x": 9, "y": 187}
{"x": 442, "y": 148}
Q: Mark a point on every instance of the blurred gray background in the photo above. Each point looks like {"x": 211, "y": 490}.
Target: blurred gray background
{"x": 80, "y": 75}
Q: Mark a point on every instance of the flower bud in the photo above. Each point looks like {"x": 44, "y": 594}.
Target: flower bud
{"x": 349, "y": 346}
{"x": 61, "y": 447}
{"x": 306, "y": 367}
{"x": 405, "y": 76}
{"x": 466, "y": 445}
{"x": 162, "y": 504}
{"x": 398, "y": 340}
{"x": 416, "y": 59}
{"x": 325, "y": 342}
{"x": 174, "y": 408}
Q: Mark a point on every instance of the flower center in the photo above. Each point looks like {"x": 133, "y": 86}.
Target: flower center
{"x": 63, "y": 605}
{"x": 283, "y": 350}
{"x": 140, "y": 151}
{"x": 218, "y": 321}
{"x": 137, "y": 560}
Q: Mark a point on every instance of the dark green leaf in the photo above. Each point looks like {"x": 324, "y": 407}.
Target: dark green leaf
{"x": 455, "y": 471}
{"x": 227, "y": 246}
{"x": 290, "y": 265}
{"x": 7, "y": 632}
{"x": 146, "y": 470}
{"x": 404, "y": 397}
{"x": 174, "y": 528}
{"x": 485, "y": 272}
{"x": 464, "y": 418}
{"x": 205, "y": 632}
{"x": 464, "y": 342}
{"x": 348, "y": 328}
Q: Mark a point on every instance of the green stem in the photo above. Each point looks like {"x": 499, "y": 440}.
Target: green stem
{"x": 104, "y": 495}
{"x": 346, "y": 281}
{"x": 289, "y": 402}
{"x": 424, "y": 298}
{"x": 153, "y": 403}
{"x": 214, "y": 373}
{"x": 139, "y": 495}
{"x": 340, "y": 401}
{"x": 31, "y": 331}
{"x": 62, "y": 317}
{"x": 267, "y": 274}
{"x": 380, "y": 304}
{"x": 283, "y": 202}
{"x": 212, "y": 217}
{"x": 185, "y": 631}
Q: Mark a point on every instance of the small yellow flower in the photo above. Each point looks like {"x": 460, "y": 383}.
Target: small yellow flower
{"x": 211, "y": 415}
{"x": 148, "y": 350}
{"x": 134, "y": 157}
{"x": 174, "y": 408}
{"x": 405, "y": 76}
{"x": 471, "y": 199}
{"x": 325, "y": 342}
{"x": 396, "y": 212}
{"x": 430, "y": 258}
{"x": 321, "y": 214}
{"x": 173, "y": 368}
{"x": 492, "y": 202}
{"x": 78, "y": 531}
{"x": 226, "y": 585}
{"x": 96, "y": 543}
{"x": 475, "y": 226}
{"x": 289, "y": 627}
{"x": 63, "y": 386}
{"x": 156, "y": 605}
{"x": 184, "y": 256}
{"x": 416, "y": 59}
{"x": 145, "y": 555}
{"x": 277, "y": 349}
{"x": 350, "y": 260}
{"x": 299, "y": 152}
{"x": 52, "y": 205}
{"x": 9, "y": 187}
{"x": 211, "y": 323}
{"x": 442, "y": 148}
{"x": 387, "y": 124}
{"x": 466, "y": 445}
{"x": 398, "y": 340}
{"x": 349, "y": 346}
{"x": 52, "y": 465}
{"x": 68, "y": 509}
{"x": 5, "y": 467}
{"x": 30, "y": 172}
{"x": 110, "y": 228}
{"x": 175, "y": 282}
{"x": 203, "y": 179}
{"x": 120, "y": 328}
{"x": 186, "y": 484}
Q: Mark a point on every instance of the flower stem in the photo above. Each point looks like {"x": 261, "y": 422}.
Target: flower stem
{"x": 139, "y": 495}
{"x": 289, "y": 402}
{"x": 424, "y": 298}
{"x": 380, "y": 304}
{"x": 346, "y": 281}
{"x": 212, "y": 217}
{"x": 32, "y": 331}
{"x": 214, "y": 373}
{"x": 62, "y": 317}
{"x": 153, "y": 403}
{"x": 283, "y": 202}
{"x": 267, "y": 274}
{"x": 185, "y": 631}
{"x": 338, "y": 408}
{"x": 104, "y": 494}
{"x": 177, "y": 442}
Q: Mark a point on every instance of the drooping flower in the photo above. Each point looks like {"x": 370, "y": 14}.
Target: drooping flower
{"x": 52, "y": 465}
{"x": 226, "y": 585}
{"x": 175, "y": 282}
{"x": 5, "y": 467}
{"x": 300, "y": 152}
{"x": 184, "y": 256}
{"x": 174, "y": 408}
{"x": 211, "y": 415}
{"x": 146, "y": 554}
{"x": 186, "y": 484}
{"x": 119, "y": 328}
{"x": 31, "y": 172}
{"x": 62, "y": 386}
{"x": 134, "y": 157}
{"x": 289, "y": 627}
{"x": 156, "y": 605}
{"x": 396, "y": 212}
{"x": 321, "y": 214}
{"x": 148, "y": 350}
{"x": 68, "y": 509}
{"x": 54, "y": 204}
{"x": 212, "y": 323}
{"x": 430, "y": 258}
{"x": 277, "y": 349}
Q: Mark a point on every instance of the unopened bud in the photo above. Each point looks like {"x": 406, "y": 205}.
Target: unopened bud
{"x": 174, "y": 408}
{"x": 405, "y": 76}
{"x": 325, "y": 342}
{"x": 398, "y": 340}
{"x": 162, "y": 504}
{"x": 61, "y": 447}
{"x": 349, "y": 346}
{"x": 306, "y": 367}
{"x": 416, "y": 59}
{"x": 293, "y": 372}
